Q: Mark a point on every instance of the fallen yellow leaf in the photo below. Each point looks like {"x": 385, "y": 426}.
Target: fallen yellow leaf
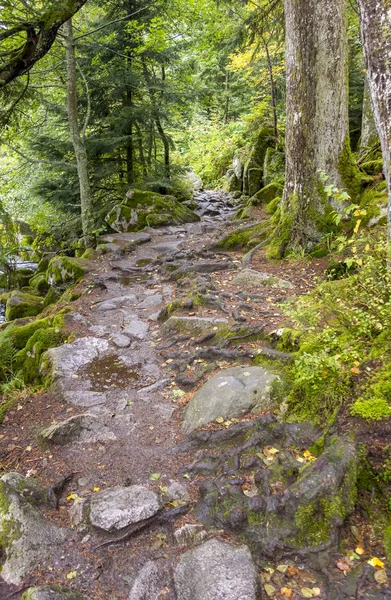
{"x": 376, "y": 562}
{"x": 306, "y": 592}
{"x": 360, "y": 550}
{"x": 96, "y": 489}
{"x": 381, "y": 576}
{"x": 269, "y": 589}
{"x": 286, "y": 592}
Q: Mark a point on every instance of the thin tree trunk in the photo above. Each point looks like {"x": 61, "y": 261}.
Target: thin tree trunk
{"x": 375, "y": 16}
{"x": 78, "y": 139}
{"x": 129, "y": 143}
{"x": 369, "y": 134}
{"x": 226, "y": 110}
{"x": 141, "y": 150}
{"x": 317, "y": 118}
{"x": 272, "y": 88}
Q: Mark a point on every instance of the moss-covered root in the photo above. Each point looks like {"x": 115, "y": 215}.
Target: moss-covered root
{"x": 243, "y": 238}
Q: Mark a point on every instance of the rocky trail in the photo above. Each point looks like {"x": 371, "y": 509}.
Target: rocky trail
{"x": 159, "y": 466}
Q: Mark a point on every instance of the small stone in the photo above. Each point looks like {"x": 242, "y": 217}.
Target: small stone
{"x": 176, "y": 491}
{"x": 120, "y": 340}
{"x": 137, "y": 329}
{"x": 189, "y": 535}
{"x": 151, "y": 301}
{"x": 116, "y": 508}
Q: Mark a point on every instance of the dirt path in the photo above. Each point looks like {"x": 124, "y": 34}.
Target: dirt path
{"x": 133, "y": 388}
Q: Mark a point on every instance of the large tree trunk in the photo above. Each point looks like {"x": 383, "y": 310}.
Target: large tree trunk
{"x": 369, "y": 134}
{"x": 375, "y": 18}
{"x": 78, "y": 139}
{"x": 317, "y": 118}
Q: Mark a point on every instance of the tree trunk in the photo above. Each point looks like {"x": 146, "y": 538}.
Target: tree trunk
{"x": 375, "y": 16}
{"x": 129, "y": 143}
{"x": 317, "y": 118}
{"x": 369, "y": 134}
{"x": 78, "y": 139}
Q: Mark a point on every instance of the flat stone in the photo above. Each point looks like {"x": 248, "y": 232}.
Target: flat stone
{"x": 151, "y": 301}
{"x": 28, "y": 540}
{"x": 66, "y": 360}
{"x": 167, "y": 247}
{"x": 113, "y": 303}
{"x": 86, "y": 428}
{"x": 109, "y": 247}
{"x": 51, "y": 592}
{"x": 229, "y": 394}
{"x": 189, "y": 535}
{"x": 216, "y": 571}
{"x": 120, "y": 340}
{"x": 257, "y": 280}
{"x": 191, "y": 325}
{"x": 116, "y": 508}
{"x": 135, "y": 238}
{"x": 137, "y": 329}
{"x": 85, "y": 398}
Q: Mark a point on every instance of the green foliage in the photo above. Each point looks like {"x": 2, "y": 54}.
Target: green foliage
{"x": 344, "y": 325}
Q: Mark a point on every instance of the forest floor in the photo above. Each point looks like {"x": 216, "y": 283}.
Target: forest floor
{"x": 140, "y": 416}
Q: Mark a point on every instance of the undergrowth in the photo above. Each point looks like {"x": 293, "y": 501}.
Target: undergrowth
{"x": 345, "y": 351}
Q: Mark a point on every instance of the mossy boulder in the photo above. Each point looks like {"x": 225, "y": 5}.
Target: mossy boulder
{"x": 242, "y": 237}
{"x": 28, "y": 359}
{"x": 232, "y": 184}
{"x": 267, "y": 194}
{"x": 23, "y": 276}
{"x": 20, "y": 305}
{"x": 44, "y": 262}
{"x": 65, "y": 270}
{"x": 26, "y": 538}
{"x": 254, "y": 181}
{"x": 148, "y": 209}
{"x": 39, "y": 283}
{"x": 274, "y": 167}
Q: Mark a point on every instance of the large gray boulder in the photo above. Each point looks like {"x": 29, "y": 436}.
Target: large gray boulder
{"x": 26, "y": 538}
{"x": 249, "y": 278}
{"x": 231, "y": 393}
{"x": 51, "y": 592}
{"x": 191, "y": 325}
{"x": 216, "y": 571}
{"x": 116, "y": 508}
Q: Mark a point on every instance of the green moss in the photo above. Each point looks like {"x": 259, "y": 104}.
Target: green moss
{"x": 375, "y": 409}
{"x": 39, "y": 283}
{"x": 89, "y": 254}
{"x": 20, "y": 305}
{"x": 243, "y": 238}
{"x": 63, "y": 269}
{"x": 9, "y": 529}
{"x": 141, "y": 209}
{"x": 289, "y": 341}
{"x": 349, "y": 172}
{"x": 272, "y": 207}
{"x": 27, "y": 360}
{"x": 387, "y": 541}
{"x": 267, "y": 194}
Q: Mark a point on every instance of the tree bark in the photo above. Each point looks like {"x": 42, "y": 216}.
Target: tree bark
{"x": 317, "y": 118}
{"x": 40, "y": 37}
{"x": 78, "y": 139}
{"x": 375, "y": 17}
{"x": 369, "y": 134}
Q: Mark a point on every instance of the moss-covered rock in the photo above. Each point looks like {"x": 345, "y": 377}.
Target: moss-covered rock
{"x": 63, "y": 269}
{"x": 267, "y": 194}
{"x": 21, "y": 305}
{"x": 273, "y": 206}
{"x": 254, "y": 181}
{"x": 274, "y": 167}
{"x": 242, "y": 237}
{"x": 39, "y": 283}
{"x": 23, "y": 276}
{"x": 232, "y": 183}
{"x": 26, "y": 538}
{"x": 27, "y": 361}
{"x": 148, "y": 209}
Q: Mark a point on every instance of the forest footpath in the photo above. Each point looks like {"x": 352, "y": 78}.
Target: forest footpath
{"x": 158, "y": 465}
